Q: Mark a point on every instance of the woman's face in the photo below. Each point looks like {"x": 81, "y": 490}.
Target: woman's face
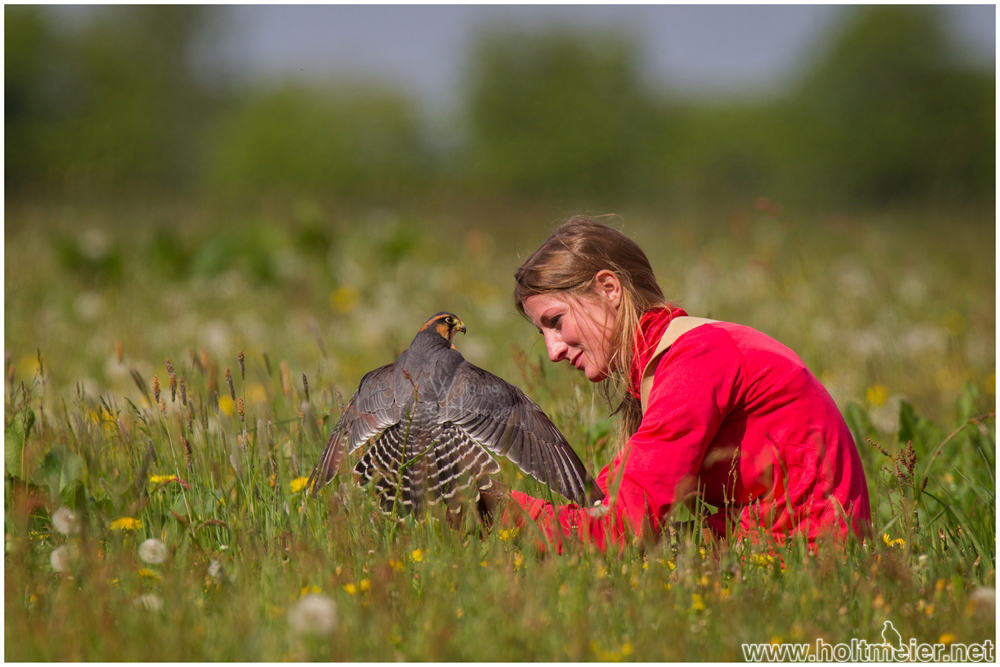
{"x": 578, "y": 328}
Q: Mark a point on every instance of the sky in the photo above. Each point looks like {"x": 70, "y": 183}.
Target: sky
{"x": 734, "y": 50}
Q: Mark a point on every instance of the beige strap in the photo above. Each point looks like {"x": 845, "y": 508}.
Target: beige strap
{"x": 677, "y": 327}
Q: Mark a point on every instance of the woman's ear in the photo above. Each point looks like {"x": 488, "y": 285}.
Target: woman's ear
{"x": 608, "y": 287}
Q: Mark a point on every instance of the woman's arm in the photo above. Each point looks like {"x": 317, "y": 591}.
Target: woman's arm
{"x": 696, "y": 385}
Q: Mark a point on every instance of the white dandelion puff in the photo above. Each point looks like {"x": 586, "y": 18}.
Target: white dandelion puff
{"x": 149, "y": 602}
{"x": 63, "y": 558}
{"x": 313, "y": 614}
{"x": 153, "y": 551}
{"x": 65, "y": 521}
{"x": 215, "y": 570}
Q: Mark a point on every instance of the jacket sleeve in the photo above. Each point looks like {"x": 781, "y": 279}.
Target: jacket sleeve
{"x": 696, "y": 384}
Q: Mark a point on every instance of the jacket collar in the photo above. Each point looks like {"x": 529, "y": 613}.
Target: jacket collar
{"x": 652, "y": 324}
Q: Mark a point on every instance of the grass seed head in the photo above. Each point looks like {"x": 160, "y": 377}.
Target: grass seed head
{"x": 229, "y": 382}
{"x": 240, "y": 358}
{"x": 184, "y": 395}
{"x": 305, "y": 385}
{"x": 240, "y": 408}
{"x": 286, "y": 379}
{"x": 156, "y": 389}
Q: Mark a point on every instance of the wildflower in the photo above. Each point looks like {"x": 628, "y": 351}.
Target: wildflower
{"x": 314, "y": 614}
{"x": 697, "y": 604}
{"x": 947, "y": 638}
{"x": 149, "y": 602}
{"x": 397, "y": 566}
{"x": 762, "y": 560}
{"x": 65, "y": 521}
{"x": 350, "y": 589}
{"x": 153, "y": 551}
{"x": 161, "y": 479}
{"x": 364, "y": 585}
{"x": 506, "y": 534}
{"x": 898, "y": 542}
{"x": 344, "y": 299}
{"x": 227, "y": 405}
{"x": 215, "y": 570}
{"x": 417, "y": 555}
{"x": 876, "y": 395}
{"x": 126, "y": 523}
{"x": 299, "y": 483}
{"x": 146, "y": 573}
{"x": 63, "y": 558}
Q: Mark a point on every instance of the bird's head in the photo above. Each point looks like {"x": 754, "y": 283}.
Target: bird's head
{"x": 445, "y": 324}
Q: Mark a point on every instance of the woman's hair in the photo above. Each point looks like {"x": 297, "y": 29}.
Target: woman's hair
{"x": 568, "y": 262}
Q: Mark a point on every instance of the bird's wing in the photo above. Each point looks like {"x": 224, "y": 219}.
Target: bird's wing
{"x": 500, "y": 417}
{"x": 372, "y": 409}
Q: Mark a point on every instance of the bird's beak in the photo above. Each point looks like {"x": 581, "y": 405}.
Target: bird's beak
{"x": 460, "y": 326}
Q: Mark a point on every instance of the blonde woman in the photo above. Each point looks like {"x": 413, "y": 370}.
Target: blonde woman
{"x": 725, "y": 413}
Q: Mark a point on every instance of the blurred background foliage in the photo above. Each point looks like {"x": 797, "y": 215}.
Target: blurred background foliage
{"x": 887, "y": 113}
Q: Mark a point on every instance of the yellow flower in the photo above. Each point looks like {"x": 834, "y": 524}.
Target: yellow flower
{"x": 704, "y": 554}
{"x": 947, "y": 638}
{"x": 149, "y": 574}
{"x": 459, "y": 613}
{"x": 299, "y": 483}
{"x": 126, "y": 523}
{"x": 365, "y": 585}
{"x": 161, "y": 479}
{"x": 227, "y": 405}
{"x": 697, "y": 604}
{"x": 351, "y": 589}
{"x": 417, "y": 555}
{"x": 762, "y": 560}
{"x": 344, "y": 298}
{"x": 518, "y": 559}
{"x": 889, "y": 542}
{"x": 775, "y": 640}
{"x": 507, "y": 534}
{"x": 671, "y": 565}
{"x": 876, "y": 395}
{"x": 396, "y": 565}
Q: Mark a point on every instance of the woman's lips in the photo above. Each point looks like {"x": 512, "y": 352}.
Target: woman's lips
{"x": 577, "y": 362}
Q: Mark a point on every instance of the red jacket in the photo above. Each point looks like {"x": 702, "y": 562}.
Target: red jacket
{"x": 737, "y": 417}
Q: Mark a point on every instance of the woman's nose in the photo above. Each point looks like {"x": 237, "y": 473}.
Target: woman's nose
{"x": 555, "y": 347}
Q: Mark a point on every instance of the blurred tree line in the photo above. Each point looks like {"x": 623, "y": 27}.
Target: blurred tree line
{"x": 887, "y": 114}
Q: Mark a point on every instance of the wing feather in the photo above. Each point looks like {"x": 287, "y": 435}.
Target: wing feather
{"x": 501, "y": 418}
{"x": 372, "y": 409}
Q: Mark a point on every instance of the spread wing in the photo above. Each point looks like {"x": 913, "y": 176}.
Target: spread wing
{"x": 499, "y": 416}
{"x": 372, "y": 410}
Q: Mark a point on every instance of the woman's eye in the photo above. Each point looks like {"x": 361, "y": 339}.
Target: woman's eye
{"x": 554, "y": 322}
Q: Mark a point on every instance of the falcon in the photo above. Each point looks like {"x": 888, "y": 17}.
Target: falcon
{"x": 430, "y": 422}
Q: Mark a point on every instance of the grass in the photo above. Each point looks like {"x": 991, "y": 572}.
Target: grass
{"x": 896, "y": 318}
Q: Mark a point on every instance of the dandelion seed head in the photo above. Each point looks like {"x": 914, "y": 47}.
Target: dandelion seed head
{"x": 313, "y": 614}
{"x": 62, "y": 558}
{"x": 65, "y": 521}
{"x": 215, "y": 570}
{"x": 153, "y": 551}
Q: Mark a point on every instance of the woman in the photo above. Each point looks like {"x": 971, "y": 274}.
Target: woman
{"x": 732, "y": 415}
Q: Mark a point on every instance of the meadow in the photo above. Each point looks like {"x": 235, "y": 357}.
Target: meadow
{"x": 172, "y": 372}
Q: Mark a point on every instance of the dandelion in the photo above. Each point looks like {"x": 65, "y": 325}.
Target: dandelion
{"x": 63, "y": 558}
{"x": 298, "y": 484}
{"x": 697, "y": 603}
{"x": 417, "y": 555}
{"x": 947, "y": 638}
{"x": 149, "y": 602}
{"x": 344, "y": 299}
{"x": 507, "y": 534}
{"x": 350, "y": 589}
{"x": 227, "y": 405}
{"x": 126, "y": 523}
{"x": 889, "y": 542}
{"x": 65, "y": 521}
{"x": 146, "y": 573}
{"x": 365, "y": 585}
{"x": 313, "y": 614}
{"x": 397, "y": 566}
{"x": 876, "y": 395}
{"x": 161, "y": 479}
{"x": 215, "y": 570}
{"x": 153, "y": 551}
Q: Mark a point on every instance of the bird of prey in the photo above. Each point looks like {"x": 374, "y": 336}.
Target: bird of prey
{"x": 430, "y": 421}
